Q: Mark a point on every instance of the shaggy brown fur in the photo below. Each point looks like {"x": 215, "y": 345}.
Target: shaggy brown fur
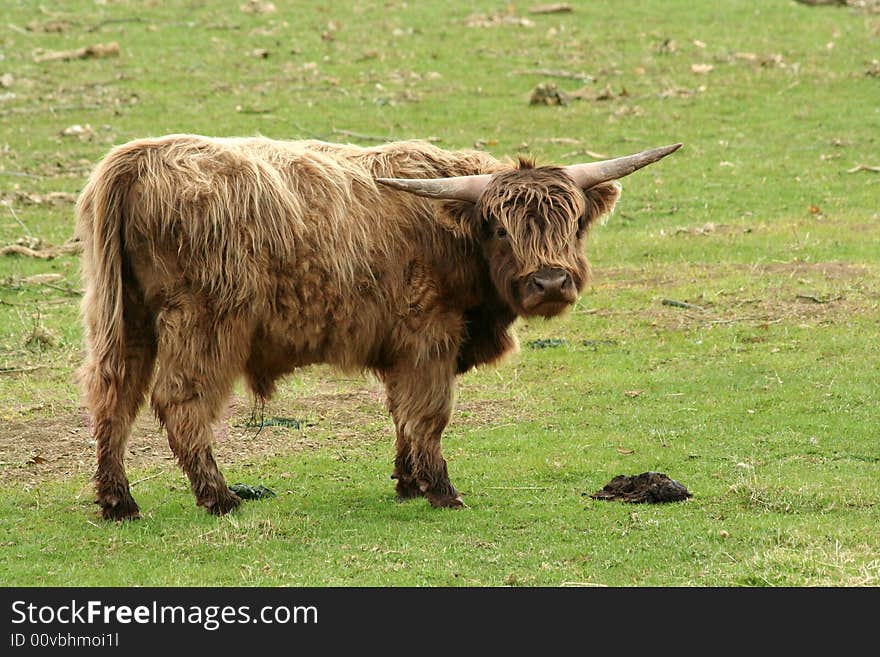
{"x": 209, "y": 259}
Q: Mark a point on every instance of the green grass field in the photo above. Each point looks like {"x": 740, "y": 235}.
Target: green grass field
{"x": 762, "y": 400}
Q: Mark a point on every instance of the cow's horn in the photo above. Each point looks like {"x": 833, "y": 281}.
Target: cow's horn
{"x": 459, "y": 188}
{"x": 593, "y": 173}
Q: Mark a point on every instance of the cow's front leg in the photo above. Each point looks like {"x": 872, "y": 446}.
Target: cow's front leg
{"x": 420, "y": 400}
{"x": 407, "y": 488}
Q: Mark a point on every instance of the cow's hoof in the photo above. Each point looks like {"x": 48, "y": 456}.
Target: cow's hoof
{"x": 124, "y": 508}
{"x": 446, "y": 501}
{"x": 225, "y": 502}
{"x": 407, "y": 490}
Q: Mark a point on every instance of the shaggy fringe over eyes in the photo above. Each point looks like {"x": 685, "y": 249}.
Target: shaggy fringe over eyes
{"x": 539, "y": 208}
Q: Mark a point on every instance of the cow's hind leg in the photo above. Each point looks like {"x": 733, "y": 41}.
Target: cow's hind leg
{"x": 420, "y": 400}
{"x": 113, "y": 397}
{"x": 198, "y": 363}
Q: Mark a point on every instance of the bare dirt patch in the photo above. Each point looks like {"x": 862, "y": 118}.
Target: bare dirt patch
{"x": 39, "y": 448}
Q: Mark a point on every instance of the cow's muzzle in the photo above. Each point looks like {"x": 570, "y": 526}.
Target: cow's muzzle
{"x": 548, "y": 292}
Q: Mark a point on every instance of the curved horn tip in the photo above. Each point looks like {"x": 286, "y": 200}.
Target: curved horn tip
{"x": 457, "y": 188}
{"x": 672, "y": 147}
{"x": 660, "y": 152}
{"x": 401, "y": 184}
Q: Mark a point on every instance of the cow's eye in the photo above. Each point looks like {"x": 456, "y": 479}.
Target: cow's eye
{"x": 500, "y": 233}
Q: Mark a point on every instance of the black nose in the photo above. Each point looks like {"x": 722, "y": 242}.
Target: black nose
{"x": 551, "y": 283}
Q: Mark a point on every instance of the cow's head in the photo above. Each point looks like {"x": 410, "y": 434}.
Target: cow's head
{"x": 532, "y": 222}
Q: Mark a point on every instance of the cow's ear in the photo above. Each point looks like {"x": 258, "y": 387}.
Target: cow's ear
{"x": 460, "y": 217}
{"x": 600, "y": 202}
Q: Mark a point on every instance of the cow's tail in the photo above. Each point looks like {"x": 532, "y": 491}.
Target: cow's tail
{"x": 99, "y": 225}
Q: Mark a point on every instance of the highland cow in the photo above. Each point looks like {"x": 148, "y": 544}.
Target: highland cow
{"x": 209, "y": 259}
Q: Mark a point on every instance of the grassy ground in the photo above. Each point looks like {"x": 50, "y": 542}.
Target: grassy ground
{"x": 762, "y": 400}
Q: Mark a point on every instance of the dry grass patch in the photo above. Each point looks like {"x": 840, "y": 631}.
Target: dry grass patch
{"x": 702, "y": 295}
